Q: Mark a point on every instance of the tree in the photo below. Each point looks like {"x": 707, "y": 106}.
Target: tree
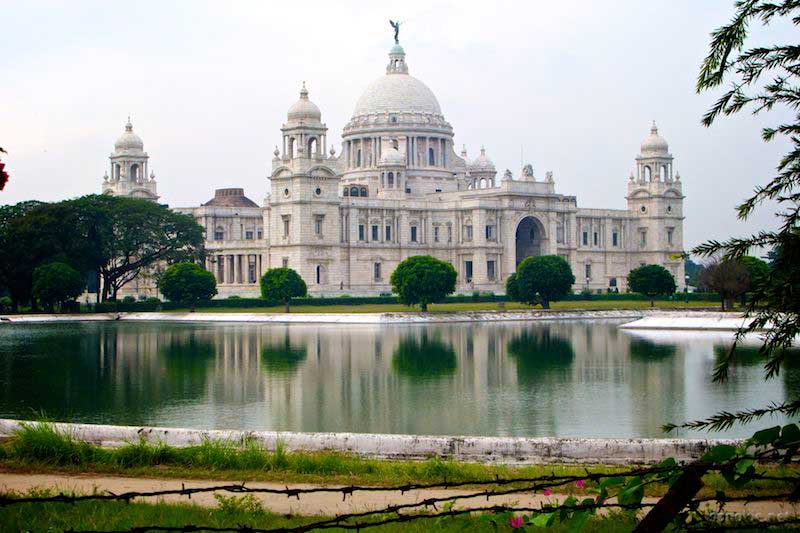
{"x": 652, "y": 281}
{"x": 56, "y": 284}
{"x": 693, "y": 271}
{"x": 281, "y": 285}
{"x": 542, "y": 279}
{"x": 131, "y": 234}
{"x": 423, "y": 280}
{"x": 512, "y": 287}
{"x": 763, "y": 78}
{"x": 187, "y": 282}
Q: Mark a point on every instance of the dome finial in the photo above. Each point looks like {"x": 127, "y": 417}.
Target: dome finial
{"x": 304, "y": 92}
{"x": 654, "y": 128}
{"x": 483, "y": 150}
{"x": 128, "y": 125}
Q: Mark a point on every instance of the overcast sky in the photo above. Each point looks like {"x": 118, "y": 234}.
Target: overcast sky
{"x": 573, "y": 84}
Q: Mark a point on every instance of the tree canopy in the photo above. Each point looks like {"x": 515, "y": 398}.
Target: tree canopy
{"x": 423, "y": 280}
{"x": 56, "y": 284}
{"x": 281, "y": 285}
{"x": 187, "y": 282}
{"x": 541, "y": 279}
{"x": 652, "y": 281}
{"x": 115, "y": 238}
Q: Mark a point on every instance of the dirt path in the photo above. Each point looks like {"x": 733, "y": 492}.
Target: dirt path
{"x": 326, "y": 504}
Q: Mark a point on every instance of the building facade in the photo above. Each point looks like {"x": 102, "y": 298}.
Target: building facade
{"x": 398, "y": 189}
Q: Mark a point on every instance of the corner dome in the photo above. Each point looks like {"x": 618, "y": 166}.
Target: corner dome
{"x": 482, "y": 163}
{"x": 129, "y": 141}
{"x": 397, "y": 91}
{"x": 392, "y": 157}
{"x": 654, "y": 144}
{"x": 304, "y": 110}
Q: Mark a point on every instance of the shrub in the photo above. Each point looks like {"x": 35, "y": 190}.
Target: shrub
{"x": 423, "y": 280}
{"x": 187, "y": 282}
{"x": 234, "y": 297}
{"x": 281, "y": 285}
{"x": 129, "y": 300}
{"x": 5, "y": 304}
{"x": 56, "y": 284}
{"x": 652, "y": 281}
{"x": 543, "y": 279}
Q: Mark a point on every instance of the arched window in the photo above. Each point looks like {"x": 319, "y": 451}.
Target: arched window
{"x": 312, "y": 147}
{"x": 483, "y": 183}
{"x": 219, "y": 233}
{"x": 134, "y": 172}
{"x": 364, "y": 191}
{"x": 353, "y": 191}
{"x": 116, "y": 170}
{"x": 390, "y": 180}
{"x": 431, "y": 157}
{"x": 291, "y": 147}
{"x": 664, "y": 173}
{"x": 648, "y": 173}
{"x": 346, "y": 191}
{"x": 319, "y": 274}
{"x": 358, "y": 158}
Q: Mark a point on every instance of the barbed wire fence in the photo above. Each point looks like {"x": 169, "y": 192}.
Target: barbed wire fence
{"x": 622, "y": 491}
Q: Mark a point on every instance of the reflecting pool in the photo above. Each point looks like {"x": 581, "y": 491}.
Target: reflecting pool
{"x": 561, "y": 378}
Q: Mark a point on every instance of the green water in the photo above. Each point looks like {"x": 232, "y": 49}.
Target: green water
{"x": 569, "y": 379}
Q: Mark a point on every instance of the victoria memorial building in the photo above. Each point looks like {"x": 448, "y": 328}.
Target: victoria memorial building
{"x": 398, "y": 188}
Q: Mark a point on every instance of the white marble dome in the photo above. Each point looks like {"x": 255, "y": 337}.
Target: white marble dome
{"x": 654, "y": 144}
{"x": 397, "y": 92}
{"x": 129, "y": 141}
{"x": 304, "y": 110}
{"x": 392, "y": 157}
{"x": 482, "y": 163}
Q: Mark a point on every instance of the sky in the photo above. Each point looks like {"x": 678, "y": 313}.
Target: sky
{"x": 570, "y": 87}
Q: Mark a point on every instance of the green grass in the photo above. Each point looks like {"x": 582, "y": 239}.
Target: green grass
{"x": 457, "y": 307}
{"x": 39, "y": 447}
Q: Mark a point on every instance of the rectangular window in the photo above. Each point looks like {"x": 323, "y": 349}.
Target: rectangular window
{"x": 643, "y": 237}
{"x": 375, "y": 233}
{"x": 669, "y": 235}
{"x": 588, "y": 272}
{"x": 285, "y": 262}
{"x": 285, "y": 226}
{"x": 449, "y": 233}
{"x": 467, "y": 233}
{"x": 361, "y": 232}
{"x": 388, "y": 234}
{"x": 596, "y": 238}
{"x": 376, "y": 271}
{"x": 259, "y": 234}
{"x": 219, "y": 235}
{"x": 489, "y": 232}
{"x": 413, "y": 234}
{"x": 612, "y": 282}
{"x": 436, "y": 234}
{"x": 468, "y": 270}
{"x": 586, "y": 238}
{"x": 318, "y": 220}
{"x": 615, "y": 239}
{"x": 490, "y": 270}
{"x": 248, "y": 235}
{"x": 251, "y": 272}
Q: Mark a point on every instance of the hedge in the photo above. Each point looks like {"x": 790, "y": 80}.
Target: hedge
{"x": 228, "y": 303}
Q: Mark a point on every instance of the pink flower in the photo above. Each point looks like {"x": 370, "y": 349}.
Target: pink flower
{"x": 547, "y": 492}
{"x": 580, "y": 483}
{"x": 515, "y": 522}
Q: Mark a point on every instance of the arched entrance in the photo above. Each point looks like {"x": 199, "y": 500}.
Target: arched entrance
{"x": 529, "y": 239}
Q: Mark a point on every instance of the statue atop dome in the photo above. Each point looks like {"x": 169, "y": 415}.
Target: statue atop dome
{"x": 396, "y": 26}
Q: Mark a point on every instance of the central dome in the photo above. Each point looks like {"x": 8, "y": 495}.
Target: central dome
{"x": 397, "y": 92}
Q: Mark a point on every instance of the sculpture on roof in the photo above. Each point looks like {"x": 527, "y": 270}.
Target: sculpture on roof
{"x": 396, "y": 26}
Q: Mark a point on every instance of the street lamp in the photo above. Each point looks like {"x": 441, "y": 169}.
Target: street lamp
{"x": 686, "y": 289}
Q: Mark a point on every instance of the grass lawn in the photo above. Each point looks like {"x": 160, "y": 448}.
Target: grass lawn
{"x": 458, "y": 307}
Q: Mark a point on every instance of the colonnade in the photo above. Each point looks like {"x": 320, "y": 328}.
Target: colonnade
{"x": 235, "y": 268}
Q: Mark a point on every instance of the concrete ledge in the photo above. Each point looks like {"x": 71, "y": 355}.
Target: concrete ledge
{"x": 707, "y": 321}
{"x": 510, "y": 450}
{"x": 655, "y": 317}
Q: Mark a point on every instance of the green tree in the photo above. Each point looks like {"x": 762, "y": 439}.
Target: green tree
{"x": 693, "y": 271}
{"x": 652, "y": 281}
{"x": 763, "y": 78}
{"x": 542, "y": 279}
{"x": 423, "y": 280}
{"x": 56, "y": 284}
{"x": 187, "y": 282}
{"x": 512, "y": 287}
{"x": 281, "y": 285}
